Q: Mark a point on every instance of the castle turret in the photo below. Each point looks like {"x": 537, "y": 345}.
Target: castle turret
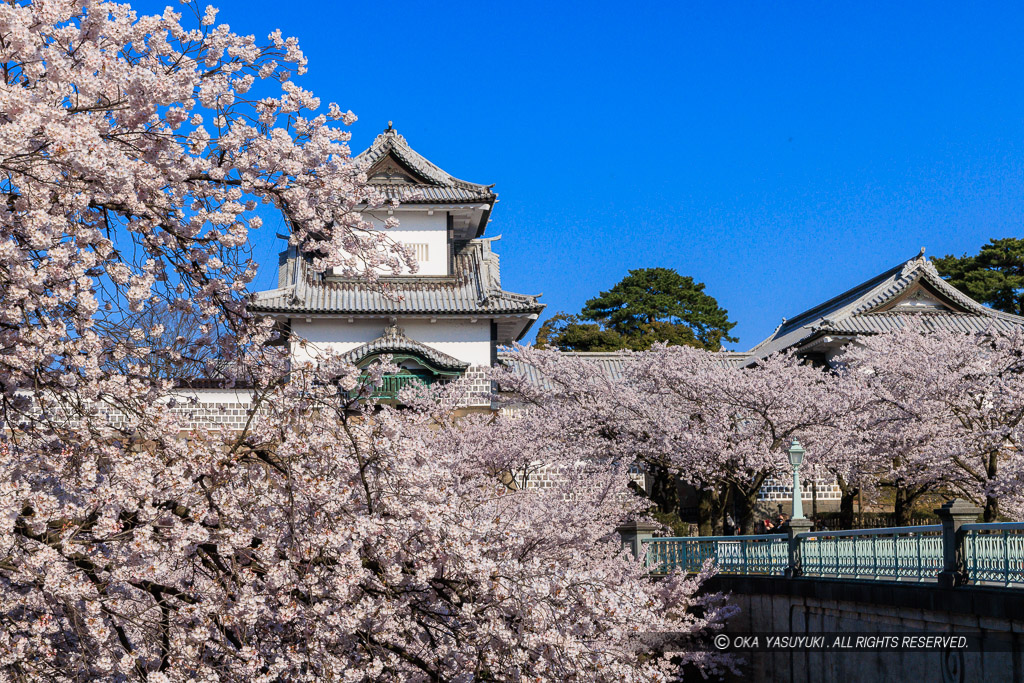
{"x": 445, "y": 320}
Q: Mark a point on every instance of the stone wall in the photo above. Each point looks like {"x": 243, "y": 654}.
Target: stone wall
{"x": 480, "y": 387}
{"x": 805, "y": 606}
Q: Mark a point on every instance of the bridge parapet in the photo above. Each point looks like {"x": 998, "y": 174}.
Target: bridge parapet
{"x": 994, "y": 553}
{"x": 951, "y": 554}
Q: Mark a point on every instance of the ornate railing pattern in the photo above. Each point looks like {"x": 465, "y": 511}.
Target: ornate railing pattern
{"x": 908, "y": 553}
{"x": 994, "y": 553}
{"x": 764, "y": 554}
{"x": 976, "y": 554}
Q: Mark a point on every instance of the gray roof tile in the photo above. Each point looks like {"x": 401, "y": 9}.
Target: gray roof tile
{"x": 877, "y": 323}
{"x": 475, "y": 289}
{"x": 436, "y": 185}
{"x": 861, "y": 310}
{"x": 611, "y": 363}
{"x": 420, "y": 194}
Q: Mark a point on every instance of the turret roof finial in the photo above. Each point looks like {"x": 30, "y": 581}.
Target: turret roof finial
{"x": 390, "y": 127}
{"x": 921, "y": 255}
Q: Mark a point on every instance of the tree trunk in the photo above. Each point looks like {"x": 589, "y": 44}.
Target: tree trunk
{"x": 992, "y": 503}
{"x": 706, "y": 506}
{"x": 860, "y": 506}
{"x": 664, "y": 489}
{"x": 901, "y": 511}
{"x": 747, "y": 499}
{"x": 849, "y": 495}
{"x": 846, "y": 507}
{"x": 727, "y": 505}
{"x": 814, "y": 500}
{"x": 906, "y": 496}
{"x": 991, "y": 509}
{"x": 746, "y": 496}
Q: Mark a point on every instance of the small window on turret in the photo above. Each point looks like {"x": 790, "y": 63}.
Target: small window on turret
{"x": 419, "y": 250}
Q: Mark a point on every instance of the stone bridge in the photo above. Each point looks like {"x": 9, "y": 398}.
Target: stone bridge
{"x": 941, "y": 602}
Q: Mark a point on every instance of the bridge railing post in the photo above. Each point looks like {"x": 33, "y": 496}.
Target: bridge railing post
{"x": 634, "y": 534}
{"x": 793, "y": 528}
{"x": 954, "y": 515}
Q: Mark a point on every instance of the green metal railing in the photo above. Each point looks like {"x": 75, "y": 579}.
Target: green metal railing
{"x": 994, "y": 553}
{"x": 763, "y": 554}
{"x": 978, "y": 554}
{"x": 908, "y": 553}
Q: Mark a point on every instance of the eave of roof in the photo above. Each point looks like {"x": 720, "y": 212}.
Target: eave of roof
{"x": 475, "y": 290}
{"x": 347, "y": 298}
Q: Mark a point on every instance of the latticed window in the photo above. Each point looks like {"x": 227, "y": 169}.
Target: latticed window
{"x": 412, "y": 370}
{"x": 395, "y": 382}
{"x": 419, "y": 249}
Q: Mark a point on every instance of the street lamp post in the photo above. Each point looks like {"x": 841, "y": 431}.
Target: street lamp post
{"x": 798, "y": 524}
{"x": 796, "y": 457}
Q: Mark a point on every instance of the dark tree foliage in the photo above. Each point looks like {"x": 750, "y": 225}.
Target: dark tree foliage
{"x": 995, "y": 277}
{"x": 568, "y": 333}
{"x": 648, "y": 306}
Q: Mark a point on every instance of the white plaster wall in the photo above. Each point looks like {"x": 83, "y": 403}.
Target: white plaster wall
{"x": 419, "y": 227}
{"x": 469, "y": 342}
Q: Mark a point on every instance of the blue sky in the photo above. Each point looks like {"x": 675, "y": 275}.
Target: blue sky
{"x": 779, "y": 153}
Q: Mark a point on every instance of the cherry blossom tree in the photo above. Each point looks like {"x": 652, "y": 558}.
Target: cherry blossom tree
{"x": 945, "y": 413}
{"x": 690, "y": 412}
{"x": 731, "y": 426}
{"x": 333, "y": 537}
{"x": 329, "y": 539}
{"x": 136, "y": 154}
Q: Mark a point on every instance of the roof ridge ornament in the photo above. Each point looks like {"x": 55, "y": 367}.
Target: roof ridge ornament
{"x": 913, "y": 264}
{"x": 393, "y": 331}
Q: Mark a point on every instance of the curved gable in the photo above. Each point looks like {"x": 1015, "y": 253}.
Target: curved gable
{"x": 394, "y": 342}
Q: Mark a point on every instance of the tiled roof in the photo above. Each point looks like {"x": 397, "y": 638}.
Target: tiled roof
{"x": 435, "y": 185}
{"x": 476, "y": 288}
{"x": 394, "y": 341}
{"x": 874, "y": 307}
{"x": 611, "y": 363}
{"x": 420, "y": 194}
{"x": 877, "y": 323}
